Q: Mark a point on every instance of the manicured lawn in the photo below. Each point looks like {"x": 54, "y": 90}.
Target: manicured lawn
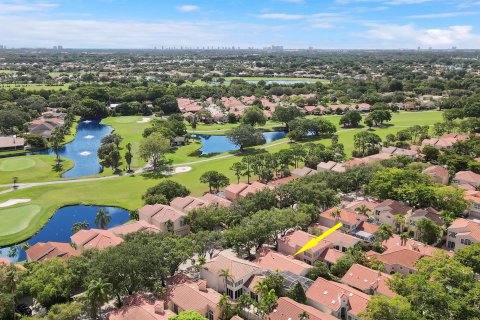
{"x": 36, "y": 168}
{"x": 131, "y": 131}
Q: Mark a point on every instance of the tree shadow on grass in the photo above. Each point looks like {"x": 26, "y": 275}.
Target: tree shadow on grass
{"x": 57, "y": 167}
{"x": 154, "y": 174}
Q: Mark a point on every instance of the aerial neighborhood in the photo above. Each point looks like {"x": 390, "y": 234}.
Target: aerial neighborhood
{"x": 185, "y": 184}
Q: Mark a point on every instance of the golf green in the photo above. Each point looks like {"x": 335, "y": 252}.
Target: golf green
{"x": 19, "y": 218}
{"x": 16, "y": 164}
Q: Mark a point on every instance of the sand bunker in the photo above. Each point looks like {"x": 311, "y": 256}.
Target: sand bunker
{"x": 178, "y": 170}
{"x": 144, "y": 120}
{"x": 13, "y": 202}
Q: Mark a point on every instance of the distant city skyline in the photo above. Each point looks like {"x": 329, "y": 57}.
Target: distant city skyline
{"x": 293, "y": 24}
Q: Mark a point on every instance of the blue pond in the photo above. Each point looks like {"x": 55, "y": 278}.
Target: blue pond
{"x": 220, "y": 144}
{"x": 58, "y": 228}
{"x": 83, "y": 149}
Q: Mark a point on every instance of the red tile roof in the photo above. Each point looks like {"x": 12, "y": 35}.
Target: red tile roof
{"x": 466, "y": 227}
{"x": 160, "y": 213}
{"x": 95, "y": 238}
{"x": 188, "y": 296}
{"x": 347, "y": 216}
{"x": 139, "y": 307}
{"x": 366, "y": 279}
{"x": 237, "y": 267}
{"x": 290, "y": 309}
{"x": 42, "y": 251}
{"x": 273, "y": 261}
{"x": 329, "y": 293}
{"x": 136, "y": 226}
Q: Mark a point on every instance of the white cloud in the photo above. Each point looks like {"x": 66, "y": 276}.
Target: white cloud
{"x": 17, "y": 7}
{"x": 188, "y": 8}
{"x": 281, "y": 16}
{"x": 445, "y": 15}
{"x": 409, "y": 35}
{"x": 88, "y": 33}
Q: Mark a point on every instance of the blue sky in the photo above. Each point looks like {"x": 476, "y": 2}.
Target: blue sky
{"x": 325, "y": 24}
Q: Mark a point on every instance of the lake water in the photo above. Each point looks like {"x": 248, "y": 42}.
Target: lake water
{"x": 83, "y": 149}
{"x": 58, "y": 228}
{"x": 219, "y": 144}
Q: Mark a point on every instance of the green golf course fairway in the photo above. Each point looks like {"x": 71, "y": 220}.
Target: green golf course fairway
{"x": 16, "y": 219}
{"x": 17, "y": 164}
{"x": 36, "y": 168}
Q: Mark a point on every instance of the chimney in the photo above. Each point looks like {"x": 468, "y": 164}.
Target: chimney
{"x": 159, "y": 308}
{"x": 202, "y": 286}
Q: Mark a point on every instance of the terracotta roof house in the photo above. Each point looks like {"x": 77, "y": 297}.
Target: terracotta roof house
{"x": 195, "y": 297}
{"x": 349, "y": 219}
{"x": 337, "y": 299}
{"x": 467, "y": 177}
{"x": 187, "y": 105}
{"x": 367, "y": 280}
{"x": 161, "y": 215}
{"x": 94, "y": 239}
{"x": 427, "y": 213}
{"x": 396, "y": 152}
{"x": 240, "y": 271}
{"x": 240, "y": 190}
{"x": 438, "y": 173}
{"x": 290, "y": 309}
{"x": 445, "y": 141}
{"x": 213, "y": 199}
{"x": 328, "y": 250}
{"x": 331, "y": 166}
{"x": 136, "y": 226}
{"x": 401, "y": 255}
{"x": 302, "y": 172}
{"x": 270, "y": 260}
{"x": 42, "y": 251}
{"x": 42, "y": 128}
{"x": 462, "y": 233}
{"x": 187, "y": 204}
{"x": 138, "y": 306}
{"x": 473, "y": 197}
{"x": 385, "y": 212}
{"x": 370, "y": 204}
{"x": 11, "y": 143}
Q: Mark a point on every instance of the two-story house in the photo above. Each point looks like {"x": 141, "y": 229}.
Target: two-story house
{"x": 227, "y": 273}
{"x": 337, "y": 299}
{"x": 164, "y": 217}
{"x": 367, "y": 280}
{"x": 386, "y": 211}
{"x": 349, "y": 219}
{"x": 195, "y": 297}
{"x": 462, "y": 233}
{"x": 327, "y": 250}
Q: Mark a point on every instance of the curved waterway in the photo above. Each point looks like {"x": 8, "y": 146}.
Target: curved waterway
{"x": 83, "y": 149}
{"x": 58, "y": 228}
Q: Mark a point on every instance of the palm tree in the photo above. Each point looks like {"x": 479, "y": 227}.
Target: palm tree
{"x": 336, "y": 213}
{"x": 102, "y": 219}
{"x": 399, "y": 222}
{"x": 384, "y": 232}
{"x": 128, "y": 156}
{"x": 225, "y": 274}
{"x": 403, "y": 237}
{"x": 97, "y": 294}
{"x": 11, "y": 284}
{"x": 56, "y": 140}
{"x": 225, "y": 307}
{"x": 77, "y": 226}
{"x": 363, "y": 210}
{"x": 303, "y": 316}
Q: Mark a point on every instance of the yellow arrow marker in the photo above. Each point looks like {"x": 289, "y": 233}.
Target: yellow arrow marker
{"x": 312, "y": 243}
